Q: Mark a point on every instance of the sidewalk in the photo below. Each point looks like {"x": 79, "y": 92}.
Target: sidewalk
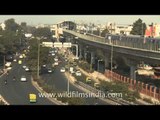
{"x": 96, "y": 76}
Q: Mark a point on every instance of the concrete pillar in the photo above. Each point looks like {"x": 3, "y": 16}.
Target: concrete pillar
{"x": 131, "y": 83}
{"x": 132, "y": 72}
{"x": 85, "y": 54}
{"x": 150, "y": 90}
{"x": 92, "y": 57}
{"x": 106, "y": 62}
{"x": 124, "y": 80}
{"x": 146, "y": 89}
{"x": 142, "y": 87}
{"x": 135, "y": 84}
{"x": 155, "y": 89}
{"x": 80, "y": 52}
{"x": 127, "y": 80}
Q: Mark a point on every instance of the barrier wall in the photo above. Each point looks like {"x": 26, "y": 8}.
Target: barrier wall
{"x": 146, "y": 89}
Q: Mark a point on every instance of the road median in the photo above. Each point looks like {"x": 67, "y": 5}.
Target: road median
{"x": 54, "y": 100}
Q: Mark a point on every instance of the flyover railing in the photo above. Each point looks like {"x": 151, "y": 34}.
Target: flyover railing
{"x": 135, "y": 44}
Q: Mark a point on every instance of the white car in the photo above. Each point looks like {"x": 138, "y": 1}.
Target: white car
{"x": 56, "y": 63}
{"x": 78, "y": 73}
{"x": 9, "y": 68}
{"x": 49, "y": 70}
{"x": 23, "y": 79}
{"x": 21, "y": 56}
{"x": 44, "y": 65}
{"x": 62, "y": 69}
{"x": 24, "y": 66}
{"x": 55, "y": 59}
{"x": 53, "y": 54}
{"x": 15, "y": 60}
{"x": 26, "y": 69}
{"x": 8, "y": 64}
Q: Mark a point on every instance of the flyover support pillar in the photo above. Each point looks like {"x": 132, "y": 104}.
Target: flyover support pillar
{"x": 80, "y": 52}
{"x": 133, "y": 72}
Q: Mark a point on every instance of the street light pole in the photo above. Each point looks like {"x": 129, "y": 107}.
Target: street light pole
{"x": 110, "y": 39}
{"x": 38, "y": 60}
{"x": 38, "y": 57}
{"x": 111, "y": 58}
{"x": 4, "y": 62}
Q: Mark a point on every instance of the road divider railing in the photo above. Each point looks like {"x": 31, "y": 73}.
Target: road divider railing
{"x": 3, "y": 100}
{"x": 54, "y": 100}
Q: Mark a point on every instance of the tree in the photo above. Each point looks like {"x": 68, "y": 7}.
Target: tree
{"x": 24, "y": 26}
{"x": 104, "y": 32}
{"x": 43, "y": 32}
{"x": 11, "y": 25}
{"x": 138, "y": 28}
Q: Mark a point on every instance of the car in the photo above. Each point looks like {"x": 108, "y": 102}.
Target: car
{"x": 24, "y": 66}
{"x": 21, "y": 56}
{"x": 23, "y": 79}
{"x": 78, "y": 73}
{"x": 55, "y": 59}
{"x": 9, "y": 68}
{"x": 53, "y": 54}
{"x": 62, "y": 69}
{"x": 97, "y": 85}
{"x": 50, "y": 70}
{"x": 8, "y": 64}
{"x": 15, "y": 60}
{"x": 27, "y": 69}
{"x": 56, "y": 63}
{"x": 44, "y": 65}
{"x": 88, "y": 80}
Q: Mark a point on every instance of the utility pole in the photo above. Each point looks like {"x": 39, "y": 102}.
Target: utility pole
{"x": 4, "y": 61}
{"x": 111, "y": 58}
{"x": 38, "y": 59}
{"x": 142, "y": 28}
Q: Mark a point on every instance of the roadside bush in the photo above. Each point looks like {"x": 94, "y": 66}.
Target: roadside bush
{"x": 40, "y": 82}
{"x": 47, "y": 88}
{"x": 148, "y": 100}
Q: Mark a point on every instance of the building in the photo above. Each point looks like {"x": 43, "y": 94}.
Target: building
{"x": 42, "y": 25}
{"x": 119, "y": 29}
{"x": 123, "y": 29}
{"x": 2, "y": 25}
{"x": 54, "y": 30}
{"x": 67, "y": 25}
{"x": 153, "y": 31}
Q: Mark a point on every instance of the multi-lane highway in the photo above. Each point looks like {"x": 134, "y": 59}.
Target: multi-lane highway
{"x": 59, "y": 81}
{"x": 17, "y": 92}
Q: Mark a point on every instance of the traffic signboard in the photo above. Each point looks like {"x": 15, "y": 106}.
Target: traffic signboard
{"x": 47, "y": 44}
{"x": 67, "y": 44}
{"x": 57, "y": 44}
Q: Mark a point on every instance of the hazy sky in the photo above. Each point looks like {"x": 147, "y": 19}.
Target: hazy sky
{"x": 53, "y": 19}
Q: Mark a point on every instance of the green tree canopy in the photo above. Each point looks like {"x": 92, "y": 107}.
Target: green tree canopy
{"x": 42, "y": 32}
{"x": 24, "y": 26}
{"x": 138, "y": 28}
{"x": 11, "y": 25}
{"x": 104, "y": 32}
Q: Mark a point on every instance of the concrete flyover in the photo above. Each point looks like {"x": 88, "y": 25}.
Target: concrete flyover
{"x": 137, "y": 54}
{"x": 131, "y": 51}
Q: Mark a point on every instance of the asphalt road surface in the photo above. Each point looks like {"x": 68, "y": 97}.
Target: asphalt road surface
{"x": 17, "y": 92}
